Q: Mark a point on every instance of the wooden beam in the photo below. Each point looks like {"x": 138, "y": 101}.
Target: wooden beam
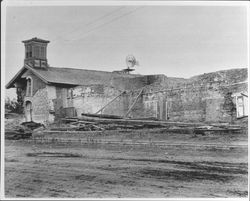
{"x": 110, "y": 102}
{"x": 141, "y": 122}
{"x": 108, "y": 116}
{"x": 244, "y": 95}
{"x": 129, "y": 110}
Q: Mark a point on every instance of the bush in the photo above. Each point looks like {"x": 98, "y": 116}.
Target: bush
{"x": 13, "y": 106}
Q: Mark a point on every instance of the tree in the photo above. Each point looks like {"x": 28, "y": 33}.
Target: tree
{"x": 13, "y": 105}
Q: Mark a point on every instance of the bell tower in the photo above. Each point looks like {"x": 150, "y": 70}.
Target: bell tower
{"x": 36, "y": 53}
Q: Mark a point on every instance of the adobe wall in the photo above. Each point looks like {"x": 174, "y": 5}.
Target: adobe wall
{"x": 40, "y": 107}
{"x": 91, "y": 98}
{"x": 39, "y": 100}
{"x": 209, "y": 105}
{"x": 208, "y": 98}
{"x": 37, "y": 82}
{"x": 142, "y": 81}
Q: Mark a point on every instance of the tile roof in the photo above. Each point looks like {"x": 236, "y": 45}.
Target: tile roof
{"x": 74, "y": 76}
{"x": 71, "y": 76}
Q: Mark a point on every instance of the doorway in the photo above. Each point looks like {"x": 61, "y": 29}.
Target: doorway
{"x": 28, "y": 107}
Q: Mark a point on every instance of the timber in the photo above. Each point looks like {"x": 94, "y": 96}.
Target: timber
{"x": 129, "y": 110}
{"x": 110, "y": 102}
{"x": 108, "y": 116}
{"x": 134, "y": 122}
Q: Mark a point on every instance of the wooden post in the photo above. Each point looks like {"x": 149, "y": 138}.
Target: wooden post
{"x": 110, "y": 102}
{"x": 244, "y": 95}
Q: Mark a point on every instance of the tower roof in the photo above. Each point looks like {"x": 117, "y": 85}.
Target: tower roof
{"x": 36, "y": 40}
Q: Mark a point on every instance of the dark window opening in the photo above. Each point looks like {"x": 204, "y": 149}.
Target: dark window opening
{"x": 29, "y": 87}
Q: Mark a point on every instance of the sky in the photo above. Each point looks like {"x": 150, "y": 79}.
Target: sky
{"x": 178, "y": 41}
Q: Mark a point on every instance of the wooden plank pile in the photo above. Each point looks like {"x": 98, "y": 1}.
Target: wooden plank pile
{"x": 101, "y": 122}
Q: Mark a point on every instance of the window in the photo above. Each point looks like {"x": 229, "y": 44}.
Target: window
{"x": 28, "y": 51}
{"x": 29, "y": 87}
{"x": 42, "y": 52}
{"x": 242, "y": 105}
{"x": 36, "y": 51}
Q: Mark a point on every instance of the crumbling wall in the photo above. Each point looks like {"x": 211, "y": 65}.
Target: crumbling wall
{"x": 206, "y": 98}
{"x": 91, "y": 98}
{"x": 59, "y": 102}
{"x": 221, "y": 77}
{"x": 135, "y": 83}
{"x": 51, "y": 92}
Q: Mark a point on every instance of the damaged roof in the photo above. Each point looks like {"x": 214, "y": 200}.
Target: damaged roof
{"x": 70, "y": 76}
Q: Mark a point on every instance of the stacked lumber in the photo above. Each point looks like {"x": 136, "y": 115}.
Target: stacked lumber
{"x": 78, "y": 126}
{"x": 100, "y": 122}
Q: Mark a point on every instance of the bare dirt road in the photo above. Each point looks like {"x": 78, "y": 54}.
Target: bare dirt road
{"x": 116, "y": 171}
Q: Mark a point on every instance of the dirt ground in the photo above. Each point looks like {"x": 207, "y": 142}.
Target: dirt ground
{"x": 43, "y": 170}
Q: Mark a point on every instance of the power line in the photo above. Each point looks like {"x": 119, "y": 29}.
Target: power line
{"x": 94, "y": 21}
{"x": 114, "y": 19}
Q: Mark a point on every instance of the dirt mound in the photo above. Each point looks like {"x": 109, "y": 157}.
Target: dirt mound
{"x": 13, "y": 121}
{"x": 16, "y": 129}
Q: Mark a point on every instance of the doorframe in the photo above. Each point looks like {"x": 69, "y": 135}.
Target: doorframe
{"x": 28, "y": 112}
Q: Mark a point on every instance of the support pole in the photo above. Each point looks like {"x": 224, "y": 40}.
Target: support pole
{"x": 244, "y": 95}
{"x": 110, "y": 102}
{"x": 129, "y": 110}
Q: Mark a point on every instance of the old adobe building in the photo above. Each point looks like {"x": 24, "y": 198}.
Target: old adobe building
{"x": 50, "y": 93}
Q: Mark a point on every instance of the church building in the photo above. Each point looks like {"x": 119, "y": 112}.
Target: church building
{"x": 50, "y": 93}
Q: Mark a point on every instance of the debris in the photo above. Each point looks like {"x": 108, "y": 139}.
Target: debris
{"x": 32, "y": 125}
{"x": 20, "y": 132}
{"x": 108, "y": 116}
{"x": 96, "y": 122}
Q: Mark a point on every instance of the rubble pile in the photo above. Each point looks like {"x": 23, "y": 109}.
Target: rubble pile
{"x": 17, "y": 130}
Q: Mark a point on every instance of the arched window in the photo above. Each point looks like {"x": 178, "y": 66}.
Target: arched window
{"x": 29, "y": 86}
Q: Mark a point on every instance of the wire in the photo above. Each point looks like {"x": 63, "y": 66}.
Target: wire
{"x": 94, "y": 21}
{"x": 114, "y": 19}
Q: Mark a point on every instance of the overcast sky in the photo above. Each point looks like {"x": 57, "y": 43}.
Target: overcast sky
{"x": 178, "y": 41}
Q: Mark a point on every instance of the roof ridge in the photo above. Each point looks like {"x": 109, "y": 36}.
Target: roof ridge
{"x": 109, "y": 72}
{"x": 78, "y": 69}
